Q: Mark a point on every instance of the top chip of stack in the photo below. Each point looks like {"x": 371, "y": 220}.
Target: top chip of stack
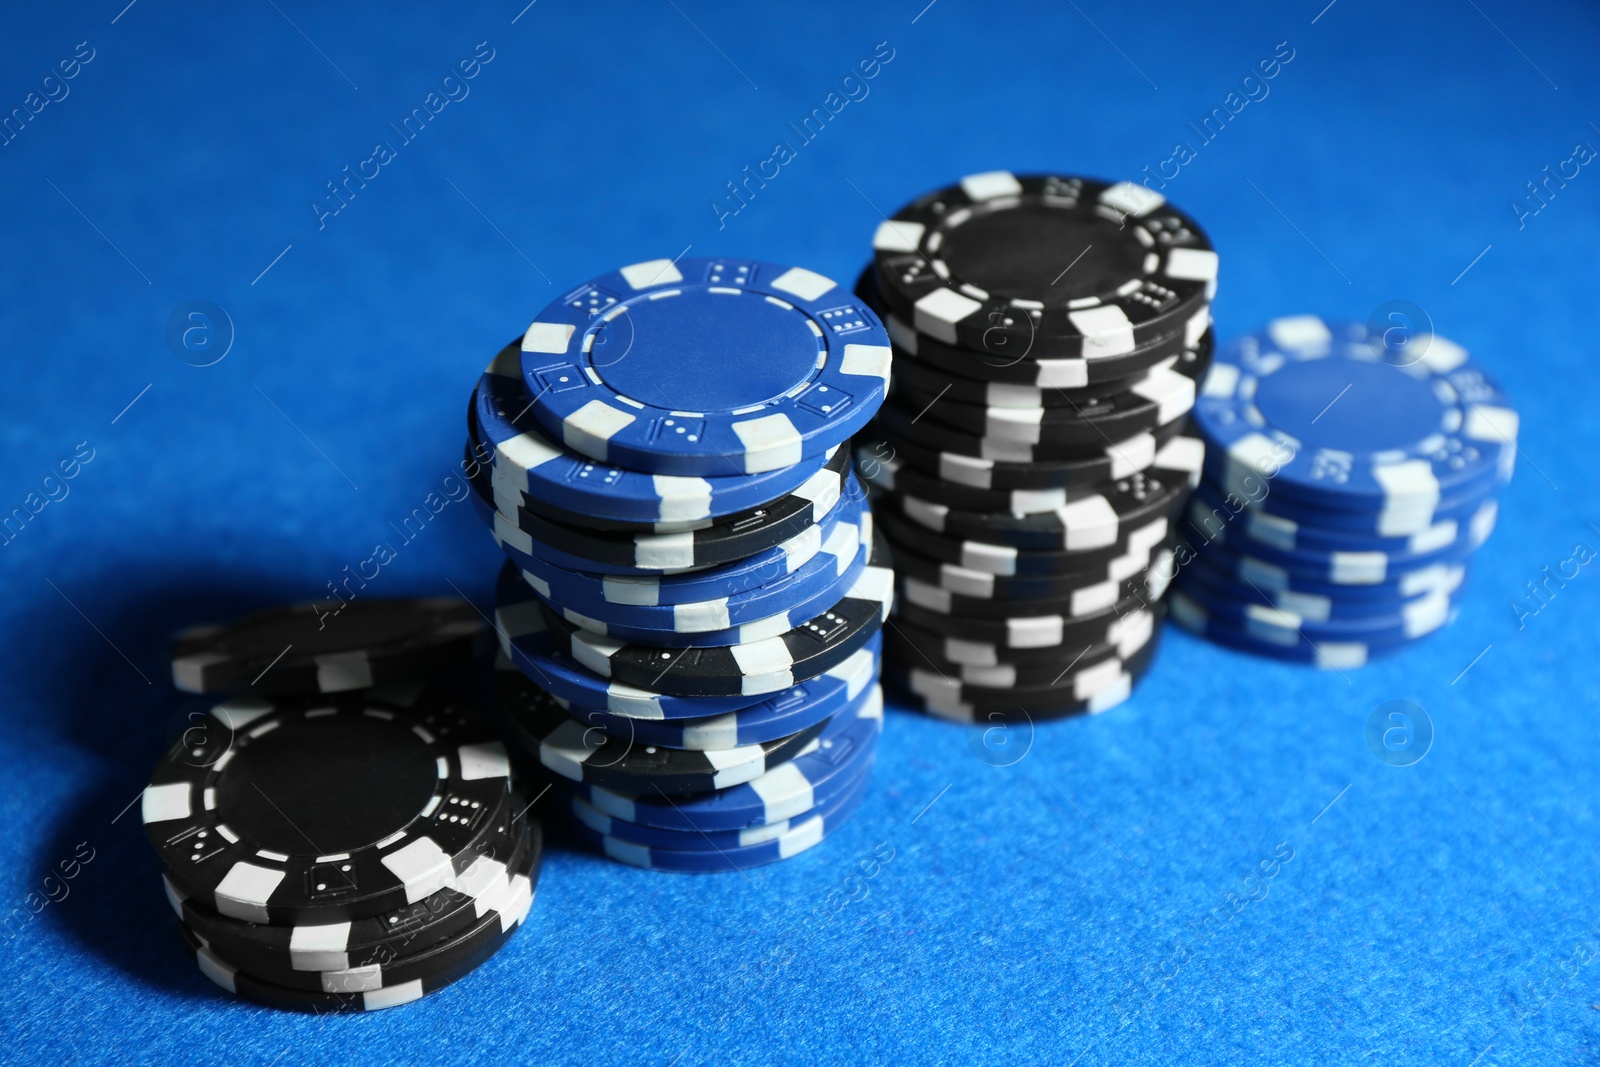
{"x": 693, "y": 590}
{"x": 1050, "y": 332}
{"x": 1350, "y": 475}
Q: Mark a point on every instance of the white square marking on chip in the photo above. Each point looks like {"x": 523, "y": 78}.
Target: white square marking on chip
{"x": 548, "y": 338}
{"x": 770, "y": 442}
{"x": 991, "y": 184}
{"x": 651, "y": 273}
{"x": 805, "y": 284}
{"x": 244, "y": 891}
{"x": 937, "y": 313}
{"x": 486, "y": 760}
{"x": 866, "y": 360}
{"x": 422, "y": 867}
{"x": 1130, "y": 198}
{"x": 1299, "y": 331}
{"x": 163, "y": 803}
{"x": 591, "y": 427}
{"x": 897, "y": 235}
{"x": 1192, "y": 264}
{"x": 319, "y": 948}
{"x": 1107, "y": 331}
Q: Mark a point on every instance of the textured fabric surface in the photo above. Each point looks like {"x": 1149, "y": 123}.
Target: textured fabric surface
{"x": 1087, "y": 903}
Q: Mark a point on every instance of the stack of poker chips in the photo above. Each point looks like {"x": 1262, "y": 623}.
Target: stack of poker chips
{"x": 341, "y": 833}
{"x": 1048, "y": 336}
{"x": 1350, "y": 476}
{"x": 689, "y": 613}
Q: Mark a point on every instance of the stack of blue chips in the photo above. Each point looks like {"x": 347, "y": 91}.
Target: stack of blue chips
{"x": 690, "y": 609}
{"x": 1350, "y": 475}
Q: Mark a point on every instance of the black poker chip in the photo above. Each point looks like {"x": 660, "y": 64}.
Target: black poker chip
{"x": 488, "y": 883}
{"x": 929, "y": 433}
{"x": 1028, "y": 634}
{"x": 406, "y": 980}
{"x": 980, "y": 264}
{"x": 988, "y": 557}
{"x": 893, "y": 452}
{"x": 932, "y": 379}
{"x": 725, "y": 541}
{"x": 1160, "y": 397}
{"x": 1086, "y": 600}
{"x": 999, "y": 360}
{"x": 328, "y": 808}
{"x": 1113, "y": 629}
{"x": 758, "y": 667}
{"x": 1085, "y": 689}
{"x": 1091, "y": 522}
{"x": 1141, "y": 558}
{"x": 911, "y": 654}
{"x": 327, "y": 647}
{"x": 582, "y": 752}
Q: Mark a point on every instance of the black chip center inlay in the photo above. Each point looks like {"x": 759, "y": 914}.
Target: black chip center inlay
{"x": 327, "y": 784}
{"x": 1026, "y": 252}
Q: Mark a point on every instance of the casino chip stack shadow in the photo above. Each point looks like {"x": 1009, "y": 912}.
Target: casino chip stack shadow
{"x": 690, "y": 609}
{"x": 1350, "y": 476}
{"x": 341, "y": 833}
{"x": 1048, "y": 334}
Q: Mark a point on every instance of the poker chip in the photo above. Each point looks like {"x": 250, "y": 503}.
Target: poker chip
{"x": 1385, "y": 524}
{"x": 1149, "y": 583}
{"x": 724, "y": 542}
{"x": 752, "y": 669}
{"x": 933, "y": 380}
{"x": 398, "y": 787}
{"x": 633, "y": 367}
{"x": 1334, "y": 418}
{"x": 837, "y": 760}
{"x": 411, "y": 978}
{"x": 975, "y": 584}
{"x": 1322, "y": 607}
{"x": 1159, "y": 397}
{"x": 910, "y": 655}
{"x": 1210, "y": 510}
{"x": 1042, "y": 631}
{"x": 1085, "y": 690}
{"x": 566, "y": 746}
{"x": 327, "y": 647}
{"x": 484, "y": 886}
{"x": 1007, "y": 561}
{"x": 796, "y": 708}
{"x": 1350, "y": 478}
{"x": 1354, "y": 565}
{"x": 1093, "y": 521}
{"x": 525, "y": 464}
{"x": 846, "y": 573}
{"x": 883, "y": 457}
{"x": 675, "y": 587}
{"x": 800, "y": 835}
{"x": 980, "y": 265}
{"x": 1272, "y": 639}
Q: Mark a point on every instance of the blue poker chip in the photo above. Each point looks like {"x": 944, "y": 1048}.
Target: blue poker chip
{"x": 1387, "y": 524}
{"x": 1336, "y": 420}
{"x": 844, "y": 571}
{"x": 1210, "y": 509}
{"x": 530, "y": 646}
{"x": 834, "y": 762}
{"x": 1339, "y": 567}
{"x": 628, "y": 603}
{"x": 1349, "y": 603}
{"x": 798, "y": 835}
{"x": 705, "y": 367}
{"x": 523, "y": 461}
{"x": 1263, "y": 574}
{"x": 790, "y": 711}
{"x": 1400, "y": 621}
{"x": 1347, "y": 651}
{"x": 665, "y": 587}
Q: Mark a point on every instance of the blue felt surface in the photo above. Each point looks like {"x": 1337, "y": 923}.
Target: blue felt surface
{"x": 1051, "y": 911}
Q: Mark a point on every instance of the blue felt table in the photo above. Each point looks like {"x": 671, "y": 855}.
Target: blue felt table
{"x": 1087, "y": 903}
